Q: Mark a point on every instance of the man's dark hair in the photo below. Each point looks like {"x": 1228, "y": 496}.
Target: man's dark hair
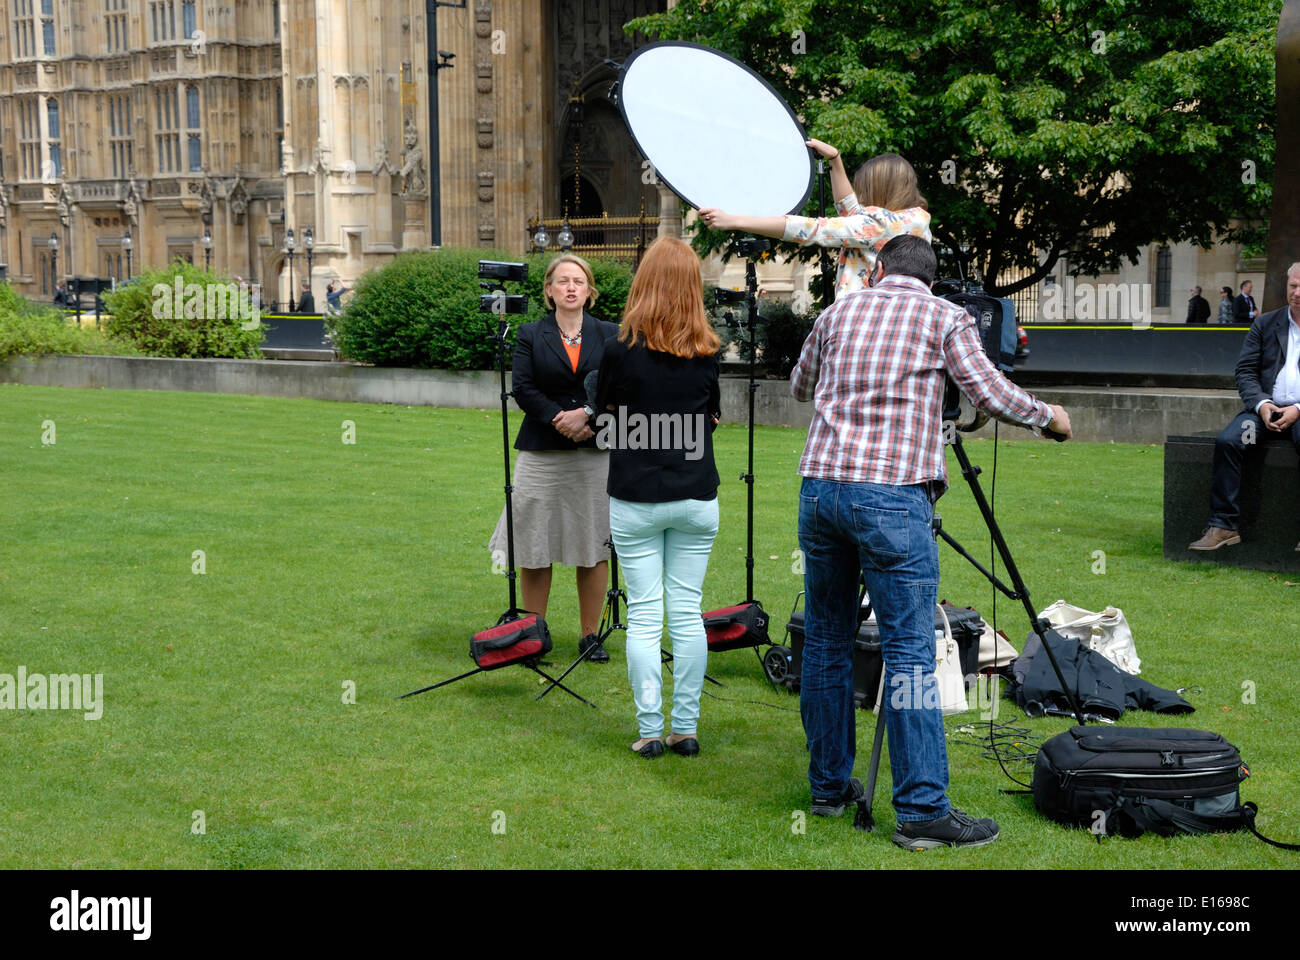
{"x": 910, "y": 256}
{"x": 1243, "y": 284}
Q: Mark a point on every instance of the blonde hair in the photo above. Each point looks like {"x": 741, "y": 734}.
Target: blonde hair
{"x": 593, "y": 294}
{"x": 665, "y": 307}
{"x": 889, "y": 182}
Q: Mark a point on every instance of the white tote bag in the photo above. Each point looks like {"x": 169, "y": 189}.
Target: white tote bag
{"x": 947, "y": 669}
{"x": 1106, "y": 632}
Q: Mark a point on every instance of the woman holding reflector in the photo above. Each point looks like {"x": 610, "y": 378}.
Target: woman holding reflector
{"x": 882, "y": 202}
{"x": 659, "y": 401}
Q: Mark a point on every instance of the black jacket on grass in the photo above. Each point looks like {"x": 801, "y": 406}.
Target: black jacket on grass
{"x": 1104, "y": 690}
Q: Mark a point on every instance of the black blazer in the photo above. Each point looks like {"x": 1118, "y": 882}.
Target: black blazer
{"x": 1241, "y": 307}
{"x": 544, "y": 382}
{"x": 1262, "y": 356}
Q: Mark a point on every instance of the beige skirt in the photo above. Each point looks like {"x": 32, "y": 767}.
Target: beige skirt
{"x": 561, "y": 509}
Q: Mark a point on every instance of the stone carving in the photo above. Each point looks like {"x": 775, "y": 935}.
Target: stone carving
{"x": 238, "y": 200}
{"x": 4, "y": 205}
{"x": 207, "y": 196}
{"x": 134, "y": 202}
{"x": 64, "y": 206}
{"x": 415, "y": 178}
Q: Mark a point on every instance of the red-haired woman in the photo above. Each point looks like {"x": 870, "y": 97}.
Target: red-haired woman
{"x": 658, "y": 402}
{"x": 882, "y": 202}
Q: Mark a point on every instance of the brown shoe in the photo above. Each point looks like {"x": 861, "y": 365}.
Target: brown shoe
{"x": 1215, "y": 537}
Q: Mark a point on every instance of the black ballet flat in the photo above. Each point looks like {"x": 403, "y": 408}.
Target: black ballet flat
{"x": 650, "y": 749}
{"x": 685, "y": 747}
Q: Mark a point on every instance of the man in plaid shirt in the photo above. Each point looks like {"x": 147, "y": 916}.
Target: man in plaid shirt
{"x": 875, "y": 367}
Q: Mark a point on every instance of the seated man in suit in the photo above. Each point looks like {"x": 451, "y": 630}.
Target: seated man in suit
{"x": 1268, "y": 379}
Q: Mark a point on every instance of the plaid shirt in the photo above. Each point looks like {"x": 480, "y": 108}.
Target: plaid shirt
{"x": 874, "y": 366}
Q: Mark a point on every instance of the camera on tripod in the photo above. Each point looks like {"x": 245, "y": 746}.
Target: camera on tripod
{"x": 751, "y": 248}
{"x": 493, "y": 276}
{"x": 995, "y": 320}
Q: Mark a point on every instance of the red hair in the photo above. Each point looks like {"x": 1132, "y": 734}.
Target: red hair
{"x": 665, "y": 307}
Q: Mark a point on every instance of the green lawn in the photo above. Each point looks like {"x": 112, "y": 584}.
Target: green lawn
{"x": 330, "y": 564}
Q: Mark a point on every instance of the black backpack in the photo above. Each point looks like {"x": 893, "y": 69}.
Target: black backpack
{"x": 1127, "y": 780}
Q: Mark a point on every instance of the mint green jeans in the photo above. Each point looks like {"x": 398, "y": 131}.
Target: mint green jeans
{"x": 664, "y": 552}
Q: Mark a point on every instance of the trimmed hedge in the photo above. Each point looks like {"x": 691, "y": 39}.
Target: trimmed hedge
{"x": 422, "y": 310}
{"x": 203, "y": 321}
{"x": 29, "y": 328}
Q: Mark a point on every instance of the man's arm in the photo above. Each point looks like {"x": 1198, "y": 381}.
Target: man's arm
{"x": 803, "y": 378}
{"x": 973, "y": 372}
{"x": 1249, "y": 368}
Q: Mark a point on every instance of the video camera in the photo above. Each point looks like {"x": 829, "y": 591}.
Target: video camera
{"x": 494, "y": 275}
{"x": 995, "y": 319}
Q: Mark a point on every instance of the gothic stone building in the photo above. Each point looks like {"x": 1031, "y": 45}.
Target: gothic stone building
{"x": 213, "y": 129}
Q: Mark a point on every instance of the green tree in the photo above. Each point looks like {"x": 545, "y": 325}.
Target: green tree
{"x": 1040, "y": 129}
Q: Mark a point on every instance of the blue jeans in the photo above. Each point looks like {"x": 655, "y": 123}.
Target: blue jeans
{"x": 883, "y": 533}
{"x": 664, "y": 549}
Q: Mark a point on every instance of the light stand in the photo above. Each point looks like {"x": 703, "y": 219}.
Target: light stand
{"x": 289, "y": 245}
{"x": 309, "y": 242}
{"x": 127, "y": 244}
{"x": 206, "y": 243}
{"x": 54, "y": 264}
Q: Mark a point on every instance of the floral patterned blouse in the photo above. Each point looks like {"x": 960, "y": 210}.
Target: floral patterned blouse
{"x": 859, "y": 232}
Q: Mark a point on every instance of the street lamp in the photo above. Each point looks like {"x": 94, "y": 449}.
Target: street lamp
{"x": 206, "y": 243}
{"x": 541, "y": 238}
{"x": 127, "y": 244}
{"x": 54, "y": 261}
{"x": 289, "y": 245}
{"x": 565, "y": 238}
{"x": 309, "y": 241}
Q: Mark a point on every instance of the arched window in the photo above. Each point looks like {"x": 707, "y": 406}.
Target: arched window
{"x": 54, "y": 134}
{"x": 192, "y": 106}
{"x": 1164, "y": 272}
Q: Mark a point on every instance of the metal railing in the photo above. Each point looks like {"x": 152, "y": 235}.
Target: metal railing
{"x": 609, "y": 238}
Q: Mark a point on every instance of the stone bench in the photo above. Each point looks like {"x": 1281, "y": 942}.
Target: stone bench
{"x": 1270, "y": 525}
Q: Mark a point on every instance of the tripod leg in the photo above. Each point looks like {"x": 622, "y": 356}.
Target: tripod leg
{"x": 585, "y": 654}
{"x": 971, "y": 473}
{"x": 441, "y": 684}
{"x": 556, "y": 683}
{"x": 863, "y": 820}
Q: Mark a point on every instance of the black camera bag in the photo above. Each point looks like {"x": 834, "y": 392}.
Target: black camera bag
{"x": 1128, "y": 780}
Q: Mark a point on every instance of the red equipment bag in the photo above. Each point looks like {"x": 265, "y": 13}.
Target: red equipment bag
{"x": 514, "y": 641}
{"x": 731, "y": 628}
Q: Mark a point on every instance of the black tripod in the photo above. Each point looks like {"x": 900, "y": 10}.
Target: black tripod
{"x": 513, "y": 612}
{"x": 609, "y": 617}
{"x": 863, "y": 820}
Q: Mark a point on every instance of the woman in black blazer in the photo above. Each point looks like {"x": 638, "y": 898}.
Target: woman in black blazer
{"x": 561, "y": 509}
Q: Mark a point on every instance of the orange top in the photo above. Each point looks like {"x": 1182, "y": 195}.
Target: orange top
{"x": 573, "y": 350}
